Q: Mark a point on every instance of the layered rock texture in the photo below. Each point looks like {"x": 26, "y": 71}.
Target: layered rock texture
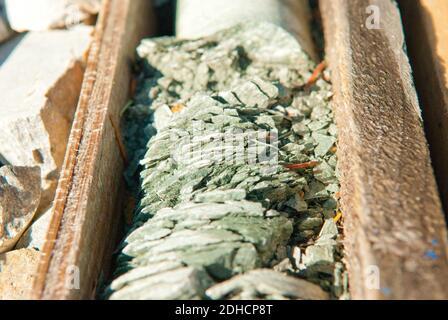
{"x": 20, "y": 195}
{"x": 238, "y": 180}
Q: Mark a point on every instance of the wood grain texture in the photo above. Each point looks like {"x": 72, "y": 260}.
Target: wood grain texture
{"x": 84, "y": 214}
{"x": 426, "y": 26}
{"x": 394, "y": 223}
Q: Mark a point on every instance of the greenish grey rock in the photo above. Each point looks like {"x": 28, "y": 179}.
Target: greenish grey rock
{"x": 329, "y": 229}
{"x": 319, "y": 258}
{"x": 297, "y": 256}
{"x": 251, "y": 96}
{"x": 324, "y": 144}
{"x": 284, "y": 266}
{"x": 297, "y": 203}
{"x": 325, "y": 173}
{"x": 140, "y": 273}
{"x": 266, "y": 284}
{"x": 162, "y": 117}
{"x": 221, "y": 196}
{"x": 322, "y": 257}
{"x": 178, "y": 284}
{"x": 217, "y": 199}
{"x": 309, "y": 222}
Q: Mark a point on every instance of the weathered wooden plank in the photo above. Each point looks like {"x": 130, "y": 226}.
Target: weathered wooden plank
{"x": 426, "y": 26}
{"x": 394, "y": 225}
{"x": 84, "y": 214}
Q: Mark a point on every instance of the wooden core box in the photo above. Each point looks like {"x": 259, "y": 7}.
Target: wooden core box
{"x": 391, "y": 207}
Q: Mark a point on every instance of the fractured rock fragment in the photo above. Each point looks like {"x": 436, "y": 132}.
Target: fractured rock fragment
{"x": 36, "y": 234}
{"x": 199, "y": 167}
{"x": 180, "y": 284}
{"x": 20, "y": 191}
{"x": 321, "y": 260}
{"x": 225, "y": 183}
{"x": 39, "y": 96}
{"x": 197, "y": 18}
{"x": 266, "y": 284}
{"x": 223, "y": 239}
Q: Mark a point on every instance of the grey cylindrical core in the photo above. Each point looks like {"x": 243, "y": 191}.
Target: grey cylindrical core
{"x": 198, "y": 18}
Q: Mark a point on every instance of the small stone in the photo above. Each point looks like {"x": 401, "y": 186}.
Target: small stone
{"x": 229, "y": 97}
{"x": 309, "y": 222}
{"x": 162, "y": 117}
{"x": 266, "y": 87}
{"x": 324, "y": 144}
{"x": 284, "y": 266}
{"x": 266, "y": 284}
{"x": 272, "y": 213}
{"x": 297, "y": 203}
{"x": 329, "y": 229}
{"x": 300, "y": 128}
{"x": 317, "y": 125}
{"x": 319, "y": 258}
{"x": 333, "y": 130}
{"x": 250, "y": 94}
{"x": 316, "y": 190}
{"x": 297, "y": 256}
{"x": 20, "y": 191}
{"x": 324, "y": 173}
{"x": 332, "y": 188}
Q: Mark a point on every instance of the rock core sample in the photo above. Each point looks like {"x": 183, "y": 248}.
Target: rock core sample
{"x": 239, "y": 170}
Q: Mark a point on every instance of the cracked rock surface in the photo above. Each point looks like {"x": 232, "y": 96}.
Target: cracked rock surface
{"x": 20, "y": 192}
{"x": 237, "y": 183}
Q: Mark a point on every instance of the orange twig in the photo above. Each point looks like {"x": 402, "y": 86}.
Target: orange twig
{"x": 316, "y": 73}
{"x": 305, "y": 165}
